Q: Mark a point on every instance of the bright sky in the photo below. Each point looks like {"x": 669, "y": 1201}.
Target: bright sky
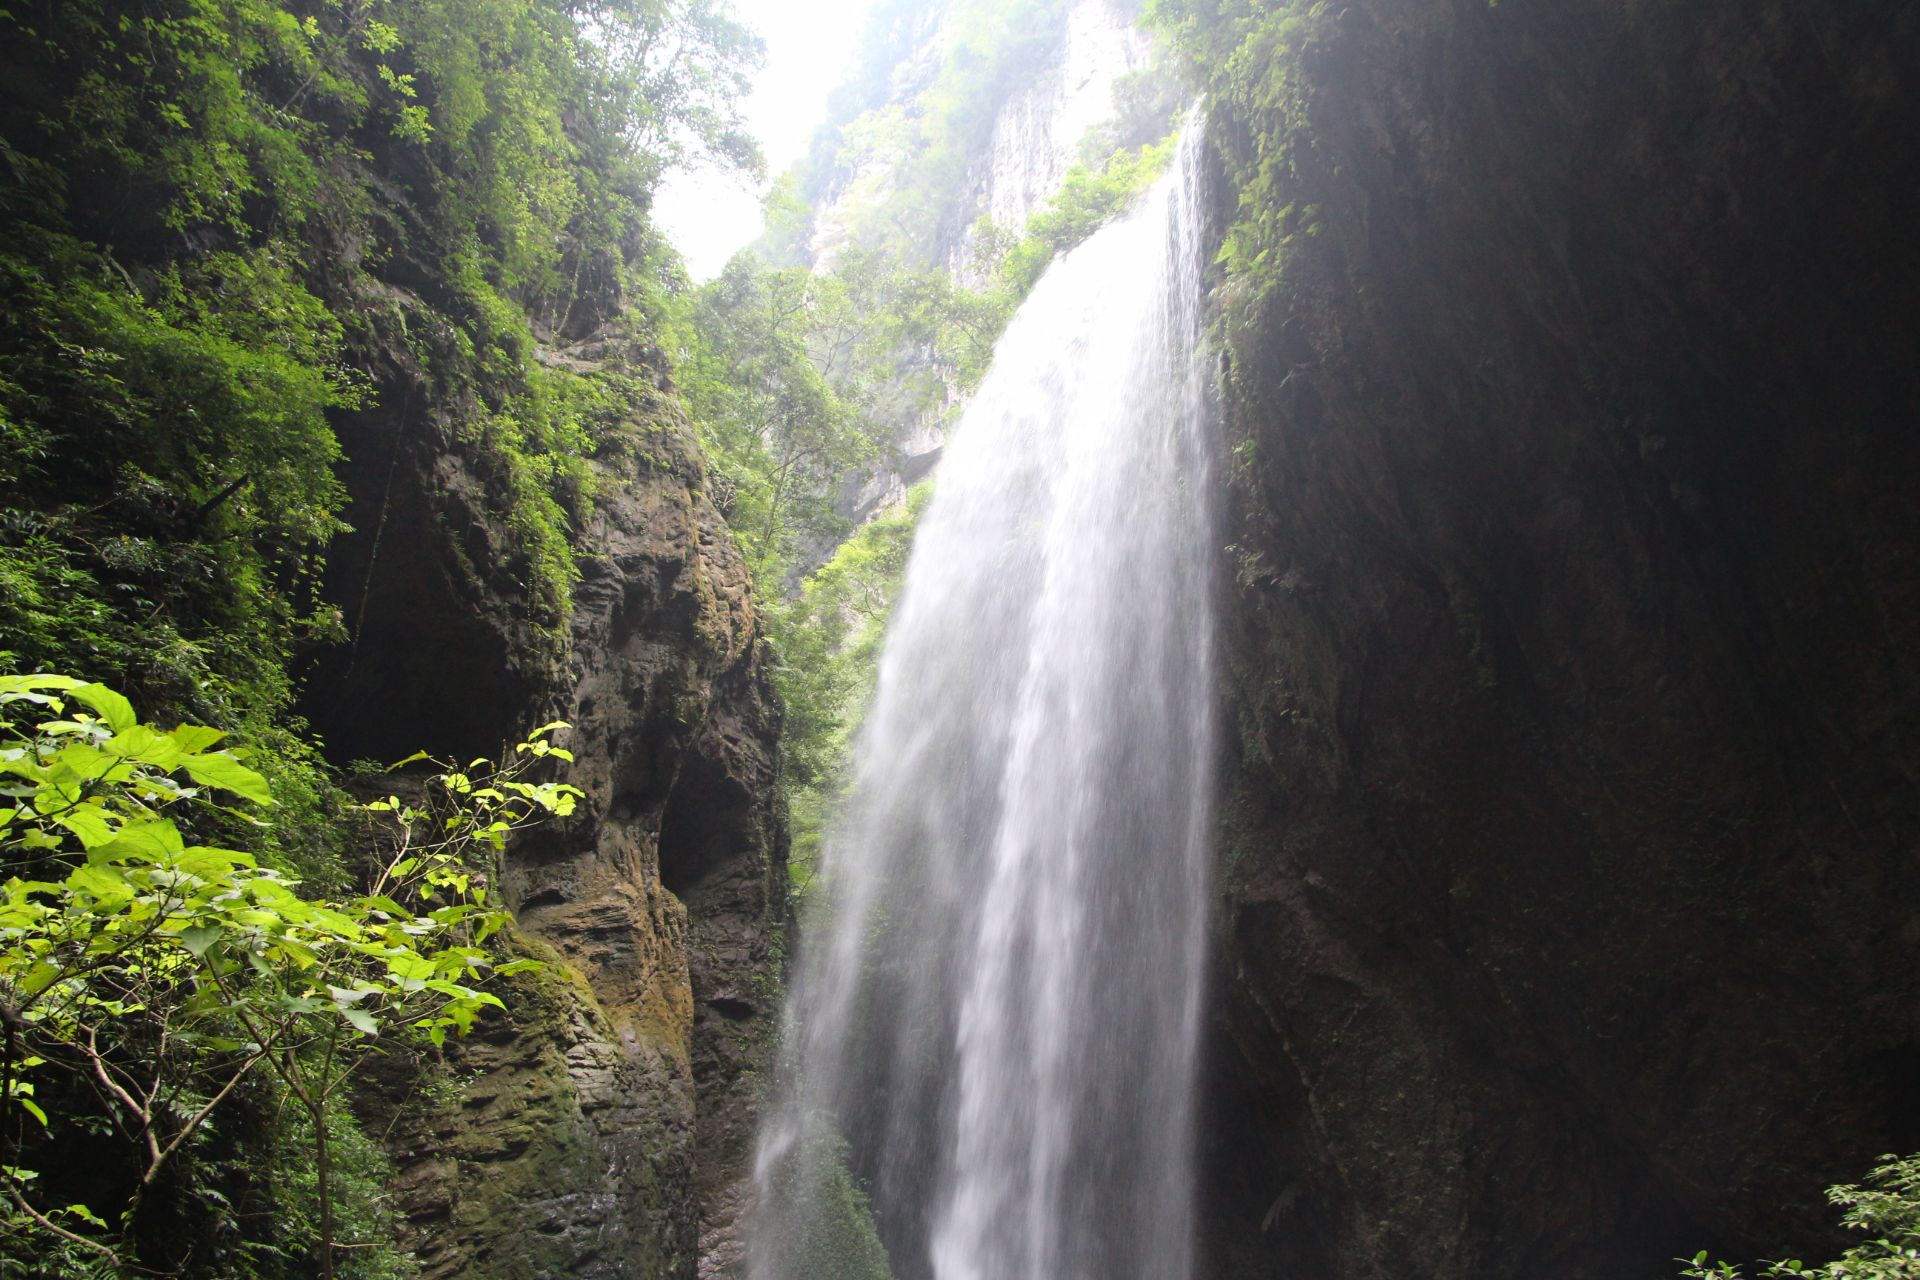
{"x": 810, "y": 47}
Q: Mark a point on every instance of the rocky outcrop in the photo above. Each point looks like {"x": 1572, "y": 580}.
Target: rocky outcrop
{"x": 1570, "y": 913}
{"x": 582, "y": 1133}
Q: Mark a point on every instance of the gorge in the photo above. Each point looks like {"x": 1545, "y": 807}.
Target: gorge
{"x": 1391, "y": 749}
{"x": 997, "y": 999}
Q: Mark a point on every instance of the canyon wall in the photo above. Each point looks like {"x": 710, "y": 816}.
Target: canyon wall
{"x": 1038, "y": 123}
{"x": 597, "y": 1129}
{"x": 1565, "y": 908}
{"x": 603, "y": 1127}
{"x": 333, "y": 399}
{"x": 1056, "y": 119}
{"x": 1569, "y": 914}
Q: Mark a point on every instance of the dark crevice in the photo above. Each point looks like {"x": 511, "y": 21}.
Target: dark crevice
{"x": 708, "y": 822}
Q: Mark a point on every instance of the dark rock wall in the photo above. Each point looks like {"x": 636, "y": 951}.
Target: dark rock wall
{"x": 589, "y": 1131}
{"x": 1570, "y": 907}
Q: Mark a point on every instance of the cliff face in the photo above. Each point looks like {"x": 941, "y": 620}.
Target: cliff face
{"x": 261, "y": 259}
{"x": 944, "y": 145}
{"x": 1054, "y": 120}
{"x": 1040, "y": 122}
{"x": 1568, "y": 917}
{"x": 586, "y": 1133}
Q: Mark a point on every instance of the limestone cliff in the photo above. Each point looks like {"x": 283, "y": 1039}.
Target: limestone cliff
{"x": 976, "y": 117}
{"x": 1568, "y": 915}
{"x": 583, "y": 1134}
{"x": 1016, "y": 145}
{"x": 1055, "y": 119}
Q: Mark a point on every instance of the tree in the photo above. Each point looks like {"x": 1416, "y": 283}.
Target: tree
{"x": 1886, "y": 1208}
{"x": 828, "y": 641}
{"x": 779, "y": 431}
{"x": 160, "y": 974}
{"x": 686, "y": 65}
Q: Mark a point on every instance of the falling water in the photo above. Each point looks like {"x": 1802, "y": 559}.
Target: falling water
{"x": 997, "y": 997}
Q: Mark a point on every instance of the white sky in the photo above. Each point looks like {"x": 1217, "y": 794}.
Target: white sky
{"x": 810, "y": 46}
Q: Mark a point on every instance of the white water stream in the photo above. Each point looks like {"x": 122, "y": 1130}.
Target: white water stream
{"x": 996, "y": 1000}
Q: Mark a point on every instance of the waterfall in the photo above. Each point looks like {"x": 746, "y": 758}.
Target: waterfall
{"x": 997, "y": 996}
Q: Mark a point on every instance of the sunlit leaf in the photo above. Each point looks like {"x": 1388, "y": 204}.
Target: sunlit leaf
{"x": 113, "y": 708}
{"x": 193, "y": 738}
{"x": 363, "y": 1021}
{"x": 157, "y": 839}
{"x": 147, "y": 745}
{"x": 92, "y": 823}
{"x": 223, "y": 771}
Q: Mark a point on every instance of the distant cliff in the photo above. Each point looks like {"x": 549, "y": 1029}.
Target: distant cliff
{"x": 965, "y": 115}
{"x": 1055, "y": 100}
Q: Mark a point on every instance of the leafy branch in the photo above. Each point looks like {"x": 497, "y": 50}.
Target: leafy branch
{"x": 164, "y": 973}
{"x": 1886, "y": 1208}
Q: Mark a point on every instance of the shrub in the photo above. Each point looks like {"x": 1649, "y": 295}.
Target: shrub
{"x": 160, "y": 974}
{"x": 1886, "y": 1208}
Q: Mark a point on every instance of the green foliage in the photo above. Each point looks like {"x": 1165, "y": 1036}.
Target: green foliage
{"x": 205, "y": 208}
{"x": 778, "y": 430}
{"x": 225, "y": 225}
{"x": 828, "y": 642}
{"x": 167, "y": 974}
{"x": 897, "y": 151}
{"x": 222, "y": 224}
{"x": 358, "y": 1192}
{"x": 794, "y": 379}
{"x": 1148, "y": 104}
{"x": 969, "y": 320}
{"x": 192, "y": 454}
{"x": 1886, "y": 1208}
{"x": 1088, "y": 199}
{"x": 832, "y": 1231}
{"x": 1248, "y": 56}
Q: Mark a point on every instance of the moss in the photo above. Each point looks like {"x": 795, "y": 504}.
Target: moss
{"x": 824, "y": 1223}
{"x": 1251, "y": 59}
{"x": 500, "y": 1139}
{"x": 1236, "y": 831}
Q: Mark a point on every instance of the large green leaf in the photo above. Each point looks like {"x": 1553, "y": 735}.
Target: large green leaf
{"x": 362, "y": 1021}
{"x": 29, "y": 688}
{"x": 218, "y": 769}
{"x": 93, "y": 824}
{"x": 113, "y": 708}
{"x": 198, "y": 939}
{"x": 213, "y": 864}
{"x": 156, "y": 840}
{"x": 102, "y": 885}
{"x": 149, "y": 746}
{"x": 195, "y": 737}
